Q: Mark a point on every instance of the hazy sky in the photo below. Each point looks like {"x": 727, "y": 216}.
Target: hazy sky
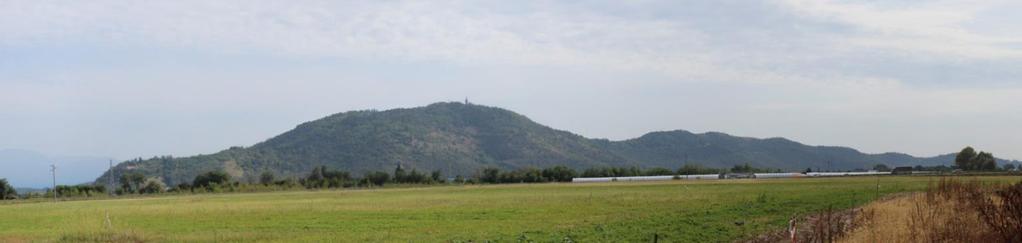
{"x": 143, "y": 78}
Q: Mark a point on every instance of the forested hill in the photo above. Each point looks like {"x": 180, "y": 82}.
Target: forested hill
{"x": 460, "y": 139}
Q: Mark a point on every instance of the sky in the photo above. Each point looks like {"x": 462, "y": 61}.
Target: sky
{"x": 126, "y": 79}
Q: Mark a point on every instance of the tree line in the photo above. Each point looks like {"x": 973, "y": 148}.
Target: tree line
{"x": 322, "y": 177}
{"x": 136, "y": 183}
{"x": 969, "y": 160}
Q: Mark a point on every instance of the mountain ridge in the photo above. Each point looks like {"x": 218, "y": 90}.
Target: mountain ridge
{"x": 460, "y": 139}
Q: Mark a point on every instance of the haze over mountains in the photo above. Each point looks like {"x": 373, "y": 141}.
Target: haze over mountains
{"x": 461, "y": 139}
{"x": 25, "y": 168}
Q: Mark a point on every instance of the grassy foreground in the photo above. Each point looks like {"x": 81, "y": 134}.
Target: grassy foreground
{"x": 693, "y": 211}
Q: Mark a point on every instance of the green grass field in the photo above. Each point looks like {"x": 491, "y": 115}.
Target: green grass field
{"x": 692, "y": 211}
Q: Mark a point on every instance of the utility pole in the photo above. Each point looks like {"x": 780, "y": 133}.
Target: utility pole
{"x": 110, "y": 179}
{"x": 53, "y": 170}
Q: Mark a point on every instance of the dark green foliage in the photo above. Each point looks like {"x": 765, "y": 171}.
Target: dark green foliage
{"x": 559, "y": 173}
{"x": 964, "y": 158}
{"x": 436, "y": 176}
{"x": 413, "y": 177}
{"x": 321, "y": 177}
{"x": 881, "y": 167}
{"x": 658, "y": 171}
{"x": 267, "y": 177}
{"x": 741, "y": 168}
{"x": 490, "y": 175}
{"x": 183, "y": 187}
{"x": 211, "y": 179}
{"x": 377, "y": 178}
{"x": 80, "y": 190}
{"x": 696, "y": 169}
{"x": 131, "y": 182}
{"x": 527, "y": 175}
{"x": 399, "y": 174}
{"x": 985, "y": 161}
{"x": 746, "y": 168}
{"x": 969, "y": 160}
{"x": 612, "y": 172}
{"x": 7, "y": 191}
{"x": 1009, "y": 166}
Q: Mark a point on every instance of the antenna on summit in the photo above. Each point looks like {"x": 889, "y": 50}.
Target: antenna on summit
{"x": 466, "y": 101}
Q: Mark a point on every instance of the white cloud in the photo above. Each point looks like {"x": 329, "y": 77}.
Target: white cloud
{"x": 936, "y": 27}
{"x": 793, "y": 57}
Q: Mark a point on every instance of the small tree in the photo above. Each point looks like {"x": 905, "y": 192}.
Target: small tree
{"x": 7, "y": 191}
{"x": 437, "y": 177}
{"x": 881, "y": 167}
{"x": 399, "y": 174}
{"x": 965, "y": 158}
{"x": 153, "y": 186}
{"x": 984, "y": 161}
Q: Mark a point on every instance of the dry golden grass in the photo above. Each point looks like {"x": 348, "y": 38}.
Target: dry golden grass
{"x": 950, "y": 211}
{"x": 885, "y": 221}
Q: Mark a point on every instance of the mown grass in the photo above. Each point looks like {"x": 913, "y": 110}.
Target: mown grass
{"x": 685, "y": 211}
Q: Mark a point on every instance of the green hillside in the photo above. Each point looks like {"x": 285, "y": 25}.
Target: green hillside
{"x": 461, "y": 139}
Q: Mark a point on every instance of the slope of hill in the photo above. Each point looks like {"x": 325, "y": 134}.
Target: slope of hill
{"x": 460, "y": 139}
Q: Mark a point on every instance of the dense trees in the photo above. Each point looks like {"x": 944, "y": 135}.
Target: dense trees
{"x": 696, "y": 169}
{"x": 7, "y": 191}
{"x": 80, "y": 190}
{"x": 881, "y": 167}
{"x": 377, "y": 178}
{"x": 559, "y": 173}
{"x": 746, "y": 168}
{"x": 612, "y": 172}
{"x": 211, "y": 179}
{"x": 321, "y": 177}
{"x": 969, "y": 160}
{"x": 565, "y": 174}
{"x": 658, "y": 171}
{"x": 267, "y": 178}
{"x": 131, "y": 183}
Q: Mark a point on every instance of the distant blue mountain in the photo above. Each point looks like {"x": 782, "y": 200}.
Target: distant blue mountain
{"x": 30, "y": 169}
